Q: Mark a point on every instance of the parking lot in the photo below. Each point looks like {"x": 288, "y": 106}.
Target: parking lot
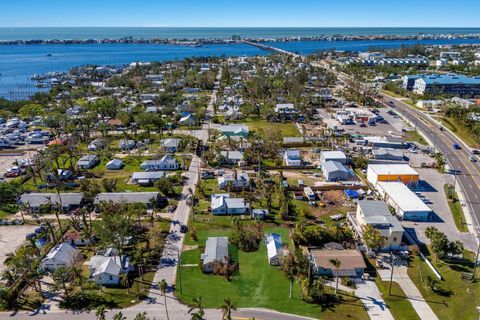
{"x": 433, "y": 194}
{"x": 392, "y": 123}
{"x": 11, "y": 238}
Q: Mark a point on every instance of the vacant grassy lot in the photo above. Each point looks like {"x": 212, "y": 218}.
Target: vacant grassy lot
{"x": 286, "y": 129}
{"x": 414, "y": 136}
{"x": 458, "y": 298}
{"x": 256, "y": 284}
{"x": 456, "y": 209}
{"x": 460, "y": 132}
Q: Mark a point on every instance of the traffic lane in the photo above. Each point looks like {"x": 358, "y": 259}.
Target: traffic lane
{"x": 469, "y": 181}
{"x": 436, "y": 136}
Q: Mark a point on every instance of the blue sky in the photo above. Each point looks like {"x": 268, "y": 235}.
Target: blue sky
{"x": 243, "y": 13}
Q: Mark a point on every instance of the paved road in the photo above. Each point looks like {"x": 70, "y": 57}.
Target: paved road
{"x": 443, "y": 140}
{"x": 154, "y": 304}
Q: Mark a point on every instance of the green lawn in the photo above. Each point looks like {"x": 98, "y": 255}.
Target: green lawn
{"x": 460, "y": 132}
{"x": 399, "y": 306}
{"x": 414, "y": 136}
{"x": 286, "y": 129}
{"x": 456, "y": 210}
{"x": 256, "y": 284}
{"x": 458, "y": 299}
{"x": 391, "y": 93}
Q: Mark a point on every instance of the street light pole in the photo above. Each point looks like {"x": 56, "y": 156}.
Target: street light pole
{"x": 391, "y": 274}
{"x": 475, "y": 263}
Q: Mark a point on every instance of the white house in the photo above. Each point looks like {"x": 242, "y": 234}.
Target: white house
{"x": 285, "y": 110}
{"x": 273, "y": 242}
{"x": 106, "y": 269}
{"x": 96, "y": 144}
{"x": 88, "y": 162}
{"x": 222, "y": 204}
{"x": 167, "y": 162}
{"x": 236, "y": 180}
{"x": 216, "y": 250}
{"x": 62, "y": 255}
{"x": 171, "y": 145}
{"x": 114, "y": 164}
{"x": 377, "y": 215}
{"x": 188, "y": 120}
{"x": 292, "y": 158}
{"x": 231, "y": 157}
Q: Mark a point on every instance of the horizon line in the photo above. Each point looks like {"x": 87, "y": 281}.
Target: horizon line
{"x": 252, "y": 27}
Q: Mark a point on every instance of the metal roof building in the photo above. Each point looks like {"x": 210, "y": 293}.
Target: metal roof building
{"x": 406, "y": 203}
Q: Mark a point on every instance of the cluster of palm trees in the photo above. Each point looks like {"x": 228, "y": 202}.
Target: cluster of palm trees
{"x": 196, "y": 310}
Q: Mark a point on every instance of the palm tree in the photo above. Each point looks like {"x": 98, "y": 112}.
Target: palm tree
{"x": 336, "y": 263}
{"x": 227, "y": 308}
{"x": 119, "y": 316}
{"x": 289, "y": 266}
{"x": 163, "y": 288}
{"x": 197, "y": 304}
{"x": 100, "y": 313}
{"x": 141, "y": 316}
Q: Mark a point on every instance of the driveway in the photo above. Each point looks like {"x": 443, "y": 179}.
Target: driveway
{"x": 371, "y": 298}
{"x": 411, "y": 291}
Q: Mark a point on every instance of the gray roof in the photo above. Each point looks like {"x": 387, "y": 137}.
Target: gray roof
{"x": 331, "y": 166}
{"x": 148, "y": 175}
{"x": 377, "y": 214}
{"x": 171, "y": 143}
{"x": 126, "y": 197}
{"x": 232, "y": 155}
{"x": 39, "y": 199}
{"x": 216, "y": 249}
{"x": 63, "y": 252}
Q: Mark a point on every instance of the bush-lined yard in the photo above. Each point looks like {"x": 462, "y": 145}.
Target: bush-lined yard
{"x": 255, "y": 284}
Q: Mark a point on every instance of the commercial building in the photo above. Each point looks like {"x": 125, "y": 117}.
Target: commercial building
{"x": 337, "y": 156}
{"x": 409, "y": 81}
{"x": 388, "y": 154}
{"x": 459, "y": 85}
{"x": 407, "y": 204}
{"x": 377, "y": 215}
{"x": 392, "y": 173}
{"x": 335, "y": 171}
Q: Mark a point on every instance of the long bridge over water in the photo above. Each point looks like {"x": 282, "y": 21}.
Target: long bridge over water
{"x": 271, "y": 48}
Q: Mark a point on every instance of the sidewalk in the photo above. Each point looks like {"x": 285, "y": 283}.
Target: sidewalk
{"x": 411, "y": 292}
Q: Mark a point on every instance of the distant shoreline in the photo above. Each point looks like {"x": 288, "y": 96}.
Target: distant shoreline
{"x": 237, "y": 39}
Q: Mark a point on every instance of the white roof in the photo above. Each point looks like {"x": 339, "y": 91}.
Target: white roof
{"x": 110, "y": 265}
{"x": 405, "y": 199}
{"x": 381, "y": 169}
{"x": 62, "y": 252}
{"x": 334, "y": 155}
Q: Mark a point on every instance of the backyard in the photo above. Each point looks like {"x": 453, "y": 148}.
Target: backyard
{"x": 255, "y": 284}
